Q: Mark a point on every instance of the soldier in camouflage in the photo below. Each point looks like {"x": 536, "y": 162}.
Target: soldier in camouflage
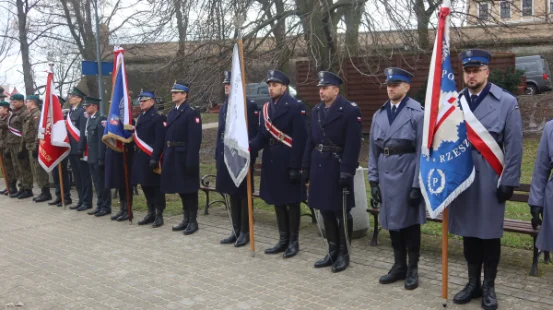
{"x": 14, "y": 143}
{"x": 31, "y": 120}
{"x": 8, "y": 164}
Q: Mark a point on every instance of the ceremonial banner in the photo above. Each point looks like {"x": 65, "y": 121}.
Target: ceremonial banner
{"x": 236, "y": 143}
{"x": 446, "y": 167}
{"x": 119, "y": 120}
{"x": 54, "y": 142}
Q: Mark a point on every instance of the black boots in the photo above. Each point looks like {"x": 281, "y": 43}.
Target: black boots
{"x": 182, "y": 225}
{"x": 158, "y": 222}
{"x": 150, "y": 217}
{"x": 399, "y": 269}
{"x": 118, "y": 214}
{"x": 44, "y": 195}
{"x": 123, "y": 207}
{"x": 55, "y": 202}
{"x": 26, "y": 193}
{"x": 342, "y": 261}
{"x": 294, "y": 223}
{"x": 283, "y": 230}
{"x": 235, "y": 210}
{"x": 14, "y": 191}
{"x": 472, "y": 289}
{"x": 412, "y": 277}
{"x": 489, "y": 300}
{"x": 244, "y": 236}
{"x": 331, "y": 230}
{"x": 193, "y": 223}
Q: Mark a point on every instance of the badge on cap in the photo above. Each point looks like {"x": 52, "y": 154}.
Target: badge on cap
{"x": 272, "y": 73}
{"x": 469, "y": 53}
{"x": 390, "y": 73}
{"x": 321, "y": 75}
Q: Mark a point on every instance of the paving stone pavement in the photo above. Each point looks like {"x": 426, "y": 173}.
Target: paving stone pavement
{"x": 52, "y": 258}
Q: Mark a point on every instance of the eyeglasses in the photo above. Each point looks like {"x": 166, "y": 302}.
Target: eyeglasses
{"x": 469, "y": 71}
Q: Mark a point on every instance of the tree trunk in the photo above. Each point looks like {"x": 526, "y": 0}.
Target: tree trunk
{"x": 22, "y": 10}
{"x": 182, "y": 24}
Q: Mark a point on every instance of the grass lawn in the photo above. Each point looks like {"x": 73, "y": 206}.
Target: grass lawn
{"x": 210, "y": 118}
{"x": 514, "y": 210}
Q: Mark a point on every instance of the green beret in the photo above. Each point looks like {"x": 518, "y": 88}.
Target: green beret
{"x": 33, "y": 97}
{"x": 4, "y": 104}
{"x": 17, "y": 97}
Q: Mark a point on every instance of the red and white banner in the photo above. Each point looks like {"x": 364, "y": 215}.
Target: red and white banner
{"x": 147, "y": 149}
{"x": 54, "y": 141}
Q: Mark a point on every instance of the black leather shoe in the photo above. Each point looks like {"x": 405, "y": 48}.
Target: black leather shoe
{"x": 243, "y": 239}
{"x": 103, "y": 212}
{"x": 182, "y": 225}
{"x": 123, "y": 217}
{"x": 281, "y": 246}
{"x": 55, "y": 202}
{"x": 191, "y": 228}
{"x": 230, "y": 239}
{"x": 158, "y": 222}
{"x": 412, "y": 278}
{"x": 95, "y": 211}
{"x": 77, "y": 206}
{"x": 84, "y": 208}
{"x": 44, "y": 196}
{"x": 16, "y": 194}
{"x": 27, "y": 193}
{"x": 473, "y": 289}
{"x": 148, "y": 219}
{"x": 118, "y": 214}
{"x": 68, "y": 202}
{"x": 293, "y": 247}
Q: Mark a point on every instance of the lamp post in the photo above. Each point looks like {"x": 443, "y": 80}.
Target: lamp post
{"x": 99, "y": 59}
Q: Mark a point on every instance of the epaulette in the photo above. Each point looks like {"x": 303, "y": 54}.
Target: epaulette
{"x": 354, "y": 104}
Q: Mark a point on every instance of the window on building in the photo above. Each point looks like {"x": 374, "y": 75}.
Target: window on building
{"x": 527, "y": 7}
{"x": 551, "y": 6}
{"x": 484, "y": 11}
{"x": 505, "y": 7}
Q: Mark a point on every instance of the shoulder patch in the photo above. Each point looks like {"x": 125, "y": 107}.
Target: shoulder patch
{"x": 197, "y": 120}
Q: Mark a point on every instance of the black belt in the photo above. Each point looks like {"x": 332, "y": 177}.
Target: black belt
{"x": 175, "y": 143}
{"x": 329, "y": 148}
{"x": 389, "y": 151}
{"x": 273, "y": 141}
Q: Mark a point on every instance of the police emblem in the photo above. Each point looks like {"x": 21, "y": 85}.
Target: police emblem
{"x": 469, "y": 53}
{"x": 272, "y": 73}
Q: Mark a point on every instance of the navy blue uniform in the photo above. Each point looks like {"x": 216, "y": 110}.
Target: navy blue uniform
{"x": 332, "y": 148}
{"x": 150, "y": 129}
{"x": 288, "y": 115}
{"x": 180, "y": 172}
{"x": 81, "y": 173}
{"x": 224, "y": 183}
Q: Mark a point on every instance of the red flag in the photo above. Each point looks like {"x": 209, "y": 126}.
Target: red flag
{"x": 54, "y": 141}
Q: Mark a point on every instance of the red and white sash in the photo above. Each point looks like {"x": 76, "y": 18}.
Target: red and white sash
{"x": 482, "y": 140}
{"x": 147, "y": 149}
{"x": 14, "y": 131}
{"x": 275, "y": 132}
{"x": 72, "y": 129}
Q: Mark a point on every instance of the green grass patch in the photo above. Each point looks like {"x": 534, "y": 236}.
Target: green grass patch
{"x": 210, "y": 118}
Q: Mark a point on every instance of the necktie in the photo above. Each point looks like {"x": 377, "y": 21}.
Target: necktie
{"x": 473, "y": 102}
{"x": 394, "y": 109}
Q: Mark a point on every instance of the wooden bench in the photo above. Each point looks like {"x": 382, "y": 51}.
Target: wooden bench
{"x": 208, "y": 186}
{"x": 515, "y": 226}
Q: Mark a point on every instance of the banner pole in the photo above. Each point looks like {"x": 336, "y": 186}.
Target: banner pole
{"x": 5, "y": 174}
{"x": 445, "y": 247}
{"x": 129, "y": 205}
{"x": 62, "y": 190}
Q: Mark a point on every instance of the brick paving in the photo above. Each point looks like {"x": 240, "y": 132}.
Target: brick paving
{"x": 52, "y": 258}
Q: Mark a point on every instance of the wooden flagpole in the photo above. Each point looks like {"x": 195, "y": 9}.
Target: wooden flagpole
{"x": 5, "y": 174}
{"x": 129, "y": 205}
{"x": 62, "y": 190}
{"x": 248, "y": 177}
{"x": 445, "y": 244}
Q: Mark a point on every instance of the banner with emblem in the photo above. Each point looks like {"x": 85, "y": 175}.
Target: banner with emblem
{"x": 446, "y": 167}
{"x": 119, "y": 120}
{"x": 54, "y": 142}
{"x": 236, "y": 143}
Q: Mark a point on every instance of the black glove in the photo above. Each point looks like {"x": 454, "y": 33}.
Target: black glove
{"x": 415, "y": 197}
{"x": 376, "y": 198}
{"x": 153, "y": 163}
{"x": 101, "y": 164}
{"x": 345, "y": 181}
{"x": 305, "y": 175}
{"x": 22, "y": 154}
{"x": 504, "y": 192}
{"x": 294, "y": 176}
{"x": 536, "y": 219}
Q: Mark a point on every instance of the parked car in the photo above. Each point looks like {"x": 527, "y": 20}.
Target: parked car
{"x": 259, "y": 92}
{"x": 537, "y": 73}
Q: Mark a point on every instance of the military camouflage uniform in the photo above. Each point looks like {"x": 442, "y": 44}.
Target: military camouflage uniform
{"x": 8, "y": 163}
{"x": 31, "y": 119}
{"x": 15, "y": 147}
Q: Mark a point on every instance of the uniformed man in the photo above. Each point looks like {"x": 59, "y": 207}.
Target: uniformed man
{"x": 31, "y": 120}
{"x": 395, "y": 139}
{"x": 541, "y": 191}
{"x": 149, "y": 137}
{"x": 478, "y": 213}
{"x": 96, "y": 156}
{"x": 16, "y": 148}
{"x": 282, "y": 136}
{"x": 8, "y": 163}
{"x": 180, "y": 171}
{"x": 76, "y": 126}
{"x": 329, "y": 163}
{"x": 240, "y": 234}
{"x": 65, "y": 176}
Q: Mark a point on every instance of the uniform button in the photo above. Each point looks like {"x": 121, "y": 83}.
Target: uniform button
{"x": 320, "y": 165}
